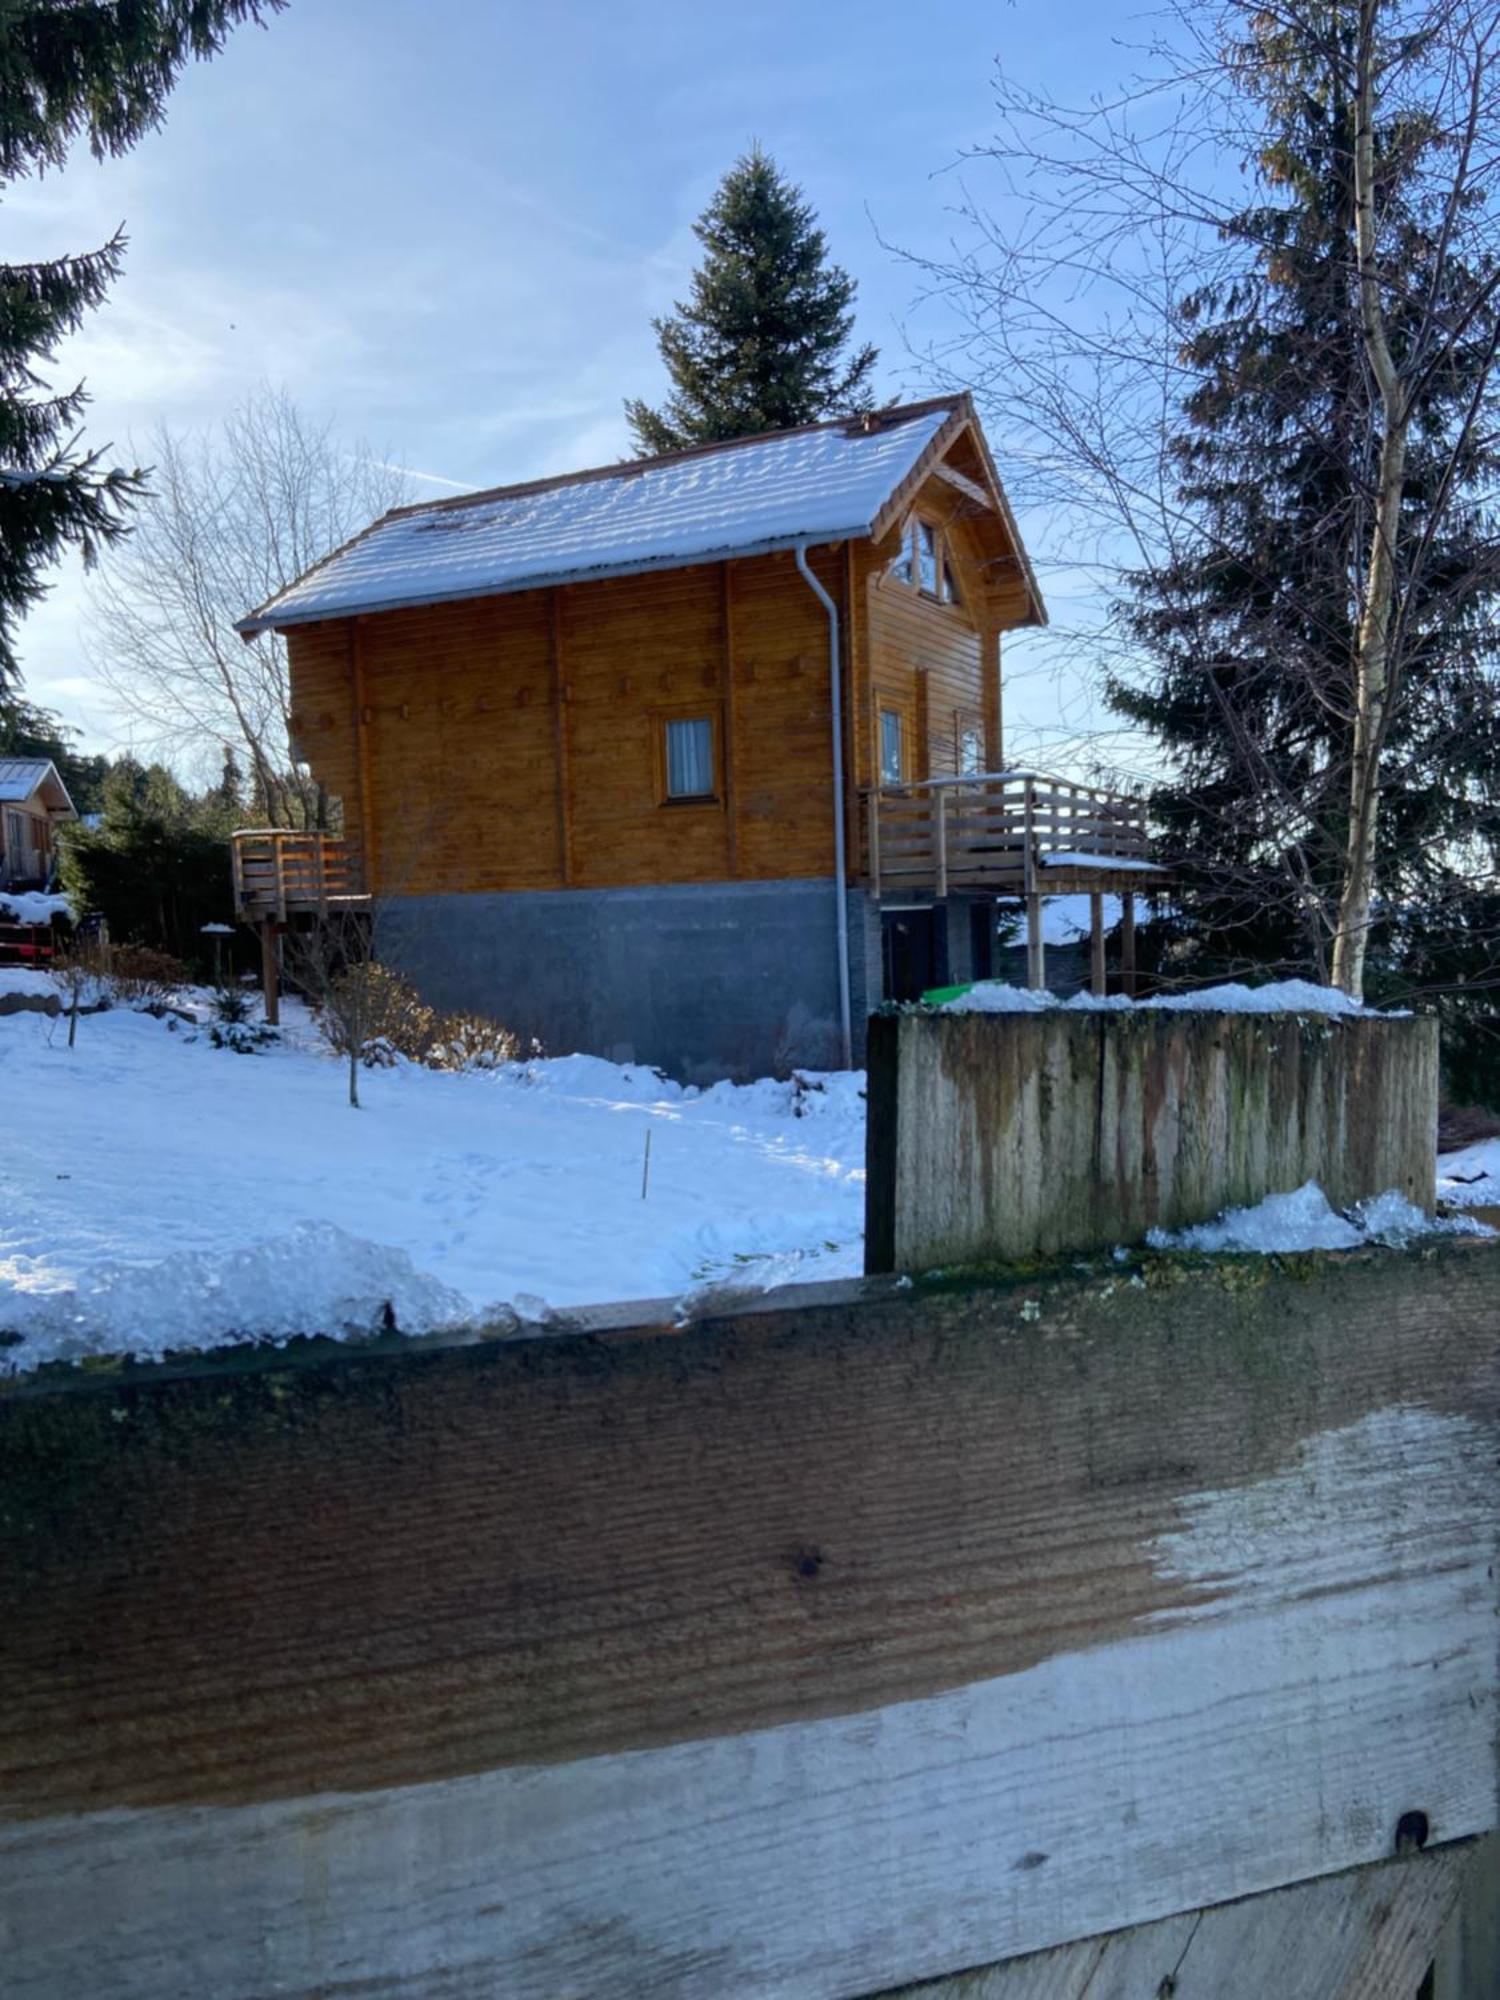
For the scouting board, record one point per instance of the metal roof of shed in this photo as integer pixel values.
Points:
(21, 778)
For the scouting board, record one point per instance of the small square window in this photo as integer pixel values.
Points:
(892, 747)
(690, 757)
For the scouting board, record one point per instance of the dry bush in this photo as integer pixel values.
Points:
(387, 1018)
(81, 974)
(144, 978)
(471, 1041)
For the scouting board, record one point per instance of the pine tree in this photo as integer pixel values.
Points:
(1251, 631)
(71, 68)
(762, 342)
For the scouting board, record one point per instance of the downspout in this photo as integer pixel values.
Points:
(840, 862)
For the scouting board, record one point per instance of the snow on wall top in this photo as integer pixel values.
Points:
(827, 483)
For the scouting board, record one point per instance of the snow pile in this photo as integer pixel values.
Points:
(1305, 1220)
(1470, 1178)
(314, 1279)
(32, 906)
(1285, 996)
(26, 979)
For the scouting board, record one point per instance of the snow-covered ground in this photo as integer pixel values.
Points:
(140, 1170)
(157, 1193)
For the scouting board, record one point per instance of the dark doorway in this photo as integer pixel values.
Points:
(911, 946)
(982, 940)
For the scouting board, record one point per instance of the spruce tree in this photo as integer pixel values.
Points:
(71, 68)
(1249, 633)
(762, 343)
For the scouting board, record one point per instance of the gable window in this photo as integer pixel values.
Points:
(927, 559)
(689, 763)
(925, 562)
(892, 746)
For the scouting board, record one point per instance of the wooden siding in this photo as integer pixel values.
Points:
(512, 742)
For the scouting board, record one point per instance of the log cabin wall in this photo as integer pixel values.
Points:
(513, 742)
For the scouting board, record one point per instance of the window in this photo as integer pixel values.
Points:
(969, 736)
(924, 562)
(688, 764)
(892, 746)
(927, 559)
(904, 568)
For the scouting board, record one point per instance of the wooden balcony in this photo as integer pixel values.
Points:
(1006, 833)
(279, 876)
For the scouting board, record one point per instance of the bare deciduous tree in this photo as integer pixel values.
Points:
(233, 516)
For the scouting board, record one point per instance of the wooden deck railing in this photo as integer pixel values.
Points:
(996, 832)
(278, 874)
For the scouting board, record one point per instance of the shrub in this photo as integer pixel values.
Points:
(392, 1020)
(232, 1005)
(144, 978)
(471, 1041)
(242, 1038)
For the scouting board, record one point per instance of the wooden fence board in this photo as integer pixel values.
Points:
(806, 1650)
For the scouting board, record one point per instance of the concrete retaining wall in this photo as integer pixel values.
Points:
(703, 980)
(1002, 1136)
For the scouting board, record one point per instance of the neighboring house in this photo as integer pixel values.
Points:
(33, 803)
(583, 732)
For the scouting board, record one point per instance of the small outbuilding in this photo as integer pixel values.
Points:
(34, 802)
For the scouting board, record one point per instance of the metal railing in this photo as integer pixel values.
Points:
(995, 830)
(278, 873)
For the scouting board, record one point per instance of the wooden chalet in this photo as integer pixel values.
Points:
(688, 760)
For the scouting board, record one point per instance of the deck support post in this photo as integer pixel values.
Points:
(1096, 945)
(1036, 951)
(269, 985)
(1127, 945)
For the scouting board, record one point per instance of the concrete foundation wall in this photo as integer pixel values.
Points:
(702, 980)
(1001, 1136)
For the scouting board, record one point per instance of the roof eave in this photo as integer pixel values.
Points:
(268, 619)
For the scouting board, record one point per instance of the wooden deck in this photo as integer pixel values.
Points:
(1006, 833)
(279, 875)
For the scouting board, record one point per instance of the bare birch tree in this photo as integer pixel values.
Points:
(1093, 241)
(233, 516)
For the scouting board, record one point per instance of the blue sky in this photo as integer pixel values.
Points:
(447, 227)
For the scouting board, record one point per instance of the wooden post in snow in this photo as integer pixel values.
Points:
(269, 969)
(1096, 944)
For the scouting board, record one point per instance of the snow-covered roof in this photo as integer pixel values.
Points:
(826, 483)
(21, 778)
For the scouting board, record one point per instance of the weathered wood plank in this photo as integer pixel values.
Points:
(804, 1651)
(1010, 1136)
(1367, 1935)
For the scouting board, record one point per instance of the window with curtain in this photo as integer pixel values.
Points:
(690, 757)
(892, 747)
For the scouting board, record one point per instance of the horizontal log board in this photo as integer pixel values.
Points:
(810, 1649)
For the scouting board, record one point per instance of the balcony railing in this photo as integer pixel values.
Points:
(1002, 833)
(278, 875)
